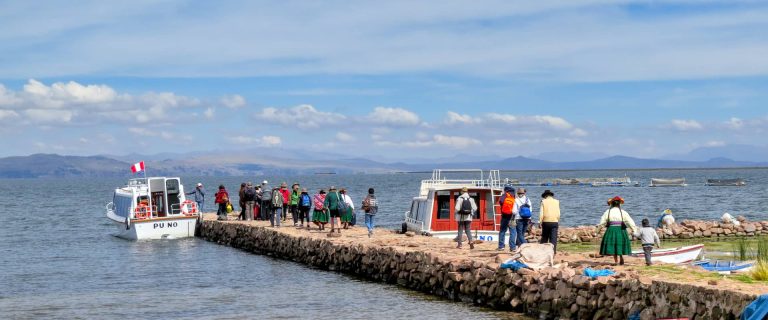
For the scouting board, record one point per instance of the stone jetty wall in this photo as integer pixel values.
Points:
(552, 293)
(685, 229)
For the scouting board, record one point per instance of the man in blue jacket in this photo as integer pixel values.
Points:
(199, 196)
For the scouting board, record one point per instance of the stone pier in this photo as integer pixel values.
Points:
(436, 267)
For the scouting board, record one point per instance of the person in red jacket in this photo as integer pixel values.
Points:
(222, 199)
(286, 197)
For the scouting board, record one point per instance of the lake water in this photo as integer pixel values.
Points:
(59, 260)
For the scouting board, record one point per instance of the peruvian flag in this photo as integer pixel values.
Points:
(136, 167)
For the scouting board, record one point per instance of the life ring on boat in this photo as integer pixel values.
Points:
(142, 211)
(189, 207)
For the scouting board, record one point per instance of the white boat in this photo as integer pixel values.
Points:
(675, 182)
(677, 255)
(432, 211)
(153, 208)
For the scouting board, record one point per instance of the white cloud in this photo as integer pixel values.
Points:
(396, 117)
(302, 116)
(344, 137)
(686, 125)
(715, 143)
(209, 112)
(456, 118)
(234, 101)
(734, 123)
(165, 135)
(49, 116)
(8, 115)
(456, 141)
(264, 141)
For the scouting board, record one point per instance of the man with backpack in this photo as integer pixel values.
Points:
(305, 203)
(266, 202)
(522, 211)
(249, 197)
(464, 210)
(370, 206)
(507, 205)
(277, 207)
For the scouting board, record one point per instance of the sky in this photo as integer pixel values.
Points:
(383, 79)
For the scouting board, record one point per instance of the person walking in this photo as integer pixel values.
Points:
(199, 194)
(507, 204)
(549, 218)
(648, 238)
(293, 204)
(265, 198)
(305, 203)
(277, 207)
(370, 207)
(222, 199)
(331, 204)
(286, 198)
(464, 210)
(249, 198)
(241, 201)
(522, 211)
(320, 214)
(348, 208)
(615, 240)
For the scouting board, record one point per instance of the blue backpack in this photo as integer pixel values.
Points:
(305, 200)
(525, 211)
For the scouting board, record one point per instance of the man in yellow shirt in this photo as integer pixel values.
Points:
(549, 218)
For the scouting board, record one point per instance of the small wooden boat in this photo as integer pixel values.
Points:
(725, 266)
(675, 182)
(726, 182)
(677, 255)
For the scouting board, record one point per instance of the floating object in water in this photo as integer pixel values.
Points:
(726, 182)
(675, 182)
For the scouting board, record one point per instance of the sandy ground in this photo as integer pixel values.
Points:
(487, 253)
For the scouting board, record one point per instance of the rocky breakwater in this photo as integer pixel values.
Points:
(433, 266)
(685, 229)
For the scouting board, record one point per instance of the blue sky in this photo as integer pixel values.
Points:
(392, 80)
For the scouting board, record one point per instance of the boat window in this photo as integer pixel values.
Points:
(414, 208)
(172, 187)
(122, 205)
(158, 202)
(416, 216)
(443, 205)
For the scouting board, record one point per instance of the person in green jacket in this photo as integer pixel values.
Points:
(332, 205)
(293, 203)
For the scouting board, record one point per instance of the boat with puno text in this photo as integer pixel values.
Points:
(432, 211)
(153, 208)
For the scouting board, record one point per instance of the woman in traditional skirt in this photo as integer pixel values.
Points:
(320, 214)
(615, 240)
(346, 216)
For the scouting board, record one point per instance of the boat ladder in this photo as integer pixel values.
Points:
(494, 181)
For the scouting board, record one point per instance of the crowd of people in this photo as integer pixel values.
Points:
(516, 208)
(260, 202)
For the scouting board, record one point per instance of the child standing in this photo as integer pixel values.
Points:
(648, 238)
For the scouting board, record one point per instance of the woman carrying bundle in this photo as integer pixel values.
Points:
(615, 240)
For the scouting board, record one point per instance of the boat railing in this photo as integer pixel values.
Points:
(187, 207)
(438, 179)
(144, 212)
(110, 206)
(414, 221)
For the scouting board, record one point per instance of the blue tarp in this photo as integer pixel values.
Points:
(757, 310)
(514, 265)
(594, 273)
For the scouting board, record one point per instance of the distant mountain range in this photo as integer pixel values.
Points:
(282, 161)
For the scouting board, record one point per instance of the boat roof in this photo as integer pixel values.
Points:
(441, 181)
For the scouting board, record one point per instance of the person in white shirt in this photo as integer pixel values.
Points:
(523, 211)
(464, 210)
(346, 217)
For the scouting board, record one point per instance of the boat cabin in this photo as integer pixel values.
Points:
(432, 212)
(147, 198)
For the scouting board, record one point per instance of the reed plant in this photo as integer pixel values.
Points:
(759, 271)
(762, 249)
(741, 249)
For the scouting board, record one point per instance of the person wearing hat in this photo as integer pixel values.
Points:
(615, 240)
(523, 211)
(464, 210)
(199, 196)
(320, 214)
(293, 204)
(347, 216)
(549, 218)
(286, 198)
(222, 199)
(249, 198)
(331, 204)
(304, 203)
(507, 204)
(371, 207)
(666, 220)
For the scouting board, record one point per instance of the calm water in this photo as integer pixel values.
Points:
(58, 259)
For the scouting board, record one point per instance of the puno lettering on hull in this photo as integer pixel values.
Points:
(485, 238)
(163, 225)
